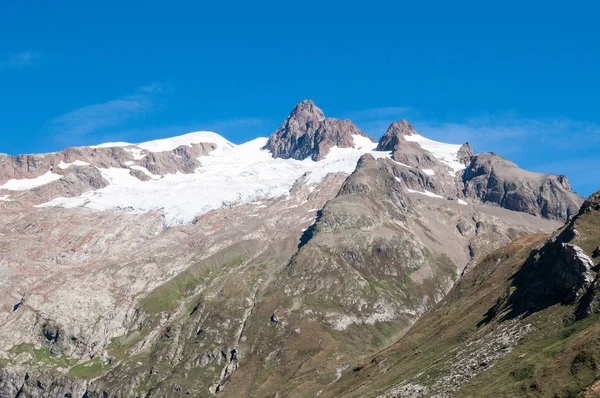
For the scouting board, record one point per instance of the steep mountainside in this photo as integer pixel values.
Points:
(192, 266)
(493, 179)
(523, 322)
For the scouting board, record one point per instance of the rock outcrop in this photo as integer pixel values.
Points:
(493, 179)
(306, 132)
(465, 154)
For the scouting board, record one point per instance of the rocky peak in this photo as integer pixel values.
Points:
(591, 203)
(404, 151)
(307, 132)
(465, 154)
(392, 136)
(306, 111)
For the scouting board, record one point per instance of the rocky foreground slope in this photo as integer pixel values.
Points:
(523, 322)
(191, 266)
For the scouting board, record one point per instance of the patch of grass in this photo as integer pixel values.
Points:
(169, 295)
(588, 226)
(41, 356)
(89, 370)
(523, 372)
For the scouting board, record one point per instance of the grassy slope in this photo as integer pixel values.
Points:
(560, 357)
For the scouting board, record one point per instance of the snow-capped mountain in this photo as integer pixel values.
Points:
(190, 265)
(224, 174)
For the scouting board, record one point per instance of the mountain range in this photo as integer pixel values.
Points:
(317, 261)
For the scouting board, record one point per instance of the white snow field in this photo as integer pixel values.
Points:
(426, 193)
(445, 153)
(63, 165)
(230, 175)
(23, 184)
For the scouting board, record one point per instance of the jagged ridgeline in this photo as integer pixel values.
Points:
(191, 266)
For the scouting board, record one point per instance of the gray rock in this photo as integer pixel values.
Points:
(465, 154)
(306, 132)
(409, 153)
(393, 136)
(492, 179)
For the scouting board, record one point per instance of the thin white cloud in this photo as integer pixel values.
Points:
(20, 60)
(91, 120)
(375, 121)
(388, 112)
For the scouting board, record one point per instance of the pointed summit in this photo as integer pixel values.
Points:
(307, 110)
(391, 138)
(465, 154)
(306, 132)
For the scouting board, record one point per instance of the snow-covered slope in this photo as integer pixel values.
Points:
(231, 174)
(30, 183)
(445, 153)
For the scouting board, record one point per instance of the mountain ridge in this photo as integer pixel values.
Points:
(199, 267)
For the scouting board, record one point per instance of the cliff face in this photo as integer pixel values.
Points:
(493, 179)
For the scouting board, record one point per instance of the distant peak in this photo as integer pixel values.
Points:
(307, 109)
(395, 134)
(307, 132)
(401, 127)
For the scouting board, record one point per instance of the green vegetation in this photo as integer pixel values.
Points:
(553, 361)
(168, 296)
(89, 370)
(41, 356)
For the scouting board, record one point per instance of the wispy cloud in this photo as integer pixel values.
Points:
(92, 120)
(375, 121)
(20, 60)
(389, 112)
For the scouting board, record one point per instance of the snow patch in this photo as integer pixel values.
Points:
(462, 202)
(111, 145)
(446, 153)
(5, 198)
(168, 144)
(429, 172)
(63, 165)
(363, 143)
(29, 183)
(426, 193)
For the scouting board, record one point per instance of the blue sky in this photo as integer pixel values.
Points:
(517, 78)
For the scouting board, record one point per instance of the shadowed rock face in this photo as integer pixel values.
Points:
(306, 132)
(493, 179)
